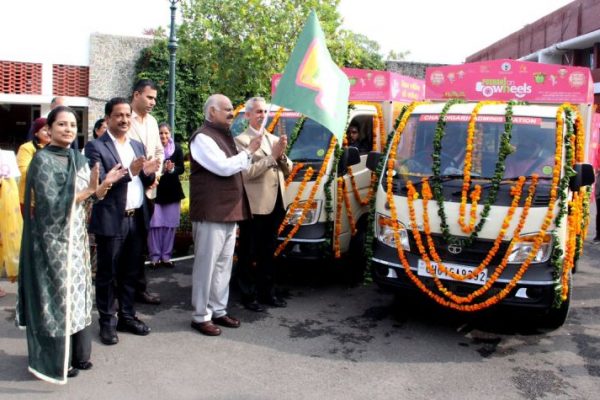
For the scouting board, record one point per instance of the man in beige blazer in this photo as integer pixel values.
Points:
(264, 185)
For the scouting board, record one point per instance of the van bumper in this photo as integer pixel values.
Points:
(308, 243)
(535, 290)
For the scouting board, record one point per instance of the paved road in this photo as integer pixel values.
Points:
(332, 342)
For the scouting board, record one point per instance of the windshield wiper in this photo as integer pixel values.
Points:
(307, 159)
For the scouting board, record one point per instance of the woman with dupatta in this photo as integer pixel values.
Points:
(54, 301)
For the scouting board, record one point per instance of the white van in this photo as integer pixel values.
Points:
(483, 202)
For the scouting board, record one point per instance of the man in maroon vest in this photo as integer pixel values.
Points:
(217, 202)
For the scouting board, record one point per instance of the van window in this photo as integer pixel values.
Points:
(312, 142)
(532, 142)
(364, 125)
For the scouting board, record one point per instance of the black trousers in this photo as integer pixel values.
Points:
(81, 345)
(257, 243)
(118, 269)
(142, 281)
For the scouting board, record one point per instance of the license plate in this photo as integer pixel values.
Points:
(455, 268)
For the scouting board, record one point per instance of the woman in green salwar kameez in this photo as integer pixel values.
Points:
(54, 298)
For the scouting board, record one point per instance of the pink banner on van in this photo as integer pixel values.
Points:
(510, 80)
(495, 119)
(371, 85)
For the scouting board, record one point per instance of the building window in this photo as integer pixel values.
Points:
(20, 78)
(70, 80)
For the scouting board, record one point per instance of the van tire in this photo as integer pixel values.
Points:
(554, 318)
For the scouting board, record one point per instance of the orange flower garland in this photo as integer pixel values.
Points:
(309, 173)
(467, 166)
(346, 199)
(275, 120)
(237, 110)
(369, 196)
(309, 202)
(537, 240)
(297, 167)
(491, 254)
(338, 218)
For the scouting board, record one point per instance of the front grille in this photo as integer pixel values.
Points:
(474, 254)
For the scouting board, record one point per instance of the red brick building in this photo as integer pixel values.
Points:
(568, 36)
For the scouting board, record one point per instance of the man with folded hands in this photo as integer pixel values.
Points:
(217, 202)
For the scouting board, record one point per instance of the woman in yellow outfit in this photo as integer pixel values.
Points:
(12, 223)
(41, 138)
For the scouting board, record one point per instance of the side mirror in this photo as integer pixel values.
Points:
(349, 157)
(373, 160)
(584, 176)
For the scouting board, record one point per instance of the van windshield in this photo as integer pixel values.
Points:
(532, 142)
(313, 140)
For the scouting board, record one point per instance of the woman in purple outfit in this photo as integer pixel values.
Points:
(167, 205)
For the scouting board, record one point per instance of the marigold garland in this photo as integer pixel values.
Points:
(346, 199)
(237, 110)
(309, 201)
(491, 254)
(338, 218)
(297, 167)
(275, 120)
(537, 240)
(307, 175)
(468, 228)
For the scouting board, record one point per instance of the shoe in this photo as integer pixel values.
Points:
(227, 321)
(168, 264)
(133, 325)
(72, 372)
(84, 365)
(253, 306)
(206, 328)
(154, 264)
(275, 301)
(108, 335)
(147, 298)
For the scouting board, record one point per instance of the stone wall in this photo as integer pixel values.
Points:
(112, 70)
(409, 68)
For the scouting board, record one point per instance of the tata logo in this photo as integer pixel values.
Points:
(455, 248)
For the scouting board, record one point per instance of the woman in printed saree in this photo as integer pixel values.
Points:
(54, 300)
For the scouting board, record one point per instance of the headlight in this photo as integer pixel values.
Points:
(523, 246)
(385, 232)
(312, 214)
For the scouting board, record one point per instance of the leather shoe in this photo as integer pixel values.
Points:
(72, 372)
(253, 306)
(274, 301)
(108, 335)
(147, 298)
(206, 328)
(85, 365)
(227, 321)
(133, 325)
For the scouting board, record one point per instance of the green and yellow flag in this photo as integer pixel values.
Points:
(312, 84)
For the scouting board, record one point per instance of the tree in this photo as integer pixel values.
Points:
(234, 47)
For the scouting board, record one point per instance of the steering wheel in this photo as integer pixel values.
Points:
(420, 162)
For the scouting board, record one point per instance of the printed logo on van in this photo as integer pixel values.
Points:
(490, 87)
